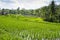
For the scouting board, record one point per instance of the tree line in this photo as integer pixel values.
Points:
(49, 13)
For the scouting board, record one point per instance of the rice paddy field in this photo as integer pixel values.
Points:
(28, 28)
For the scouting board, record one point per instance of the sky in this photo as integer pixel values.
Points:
(27, 4)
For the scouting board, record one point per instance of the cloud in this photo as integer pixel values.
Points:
(7, 1)
(9, 4)
(27, 4)
(33, 4)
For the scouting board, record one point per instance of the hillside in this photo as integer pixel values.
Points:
(27, 28)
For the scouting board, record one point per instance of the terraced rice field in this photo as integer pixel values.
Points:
(28, 28)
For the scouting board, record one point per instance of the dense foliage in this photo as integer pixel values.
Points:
(49, 13)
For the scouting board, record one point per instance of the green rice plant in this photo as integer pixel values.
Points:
(28, 28)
